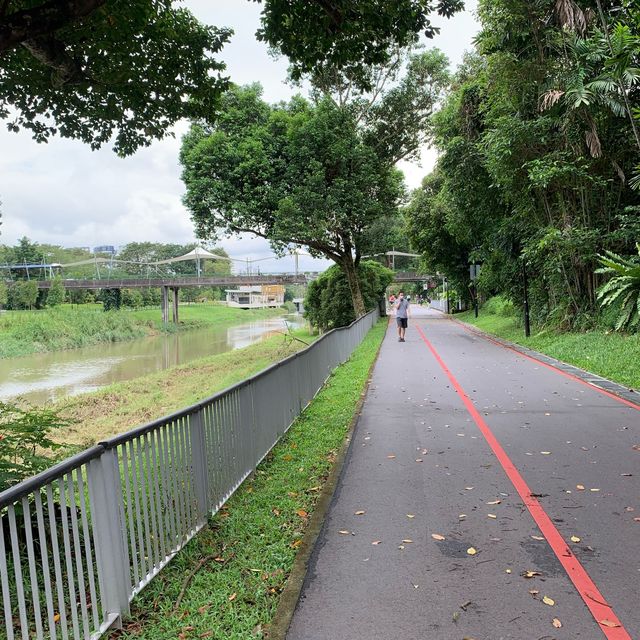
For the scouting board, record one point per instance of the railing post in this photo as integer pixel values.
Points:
(200, 469)
(105, 496)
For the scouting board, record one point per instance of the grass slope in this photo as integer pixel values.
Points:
(124, 405)
(612, 355)
(251, 544)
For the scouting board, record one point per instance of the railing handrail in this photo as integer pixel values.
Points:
(25, 487)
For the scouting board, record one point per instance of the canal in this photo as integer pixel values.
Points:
(43, 377)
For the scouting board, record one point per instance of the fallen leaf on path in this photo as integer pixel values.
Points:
(636, 519)
(296, 543)
(376, 542)
(534, 592)
(468, 488)
(407, 541)
(410, 515)
(580, 487)
(548, 600)
(507, 570)
(627, 475)
(437, 536)
(546, 453)
(462, 516)
(575, 539)
(608, 623)
(556, 623)
(495, 502)
(344, 532)
(537, 537)
(391, 457)
(360, 513)
(302, 513)
(636, 447)
(594, 490)
(472, 551)
(530, 574)
(232, 597)
(492, 515)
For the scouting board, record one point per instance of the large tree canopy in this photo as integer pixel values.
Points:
(294, 173)
(95, 69)
(126, 70)
(348, 34)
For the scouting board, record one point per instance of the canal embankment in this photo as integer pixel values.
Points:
(74, 326)
(119, 407)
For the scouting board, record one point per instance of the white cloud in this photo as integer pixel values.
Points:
(64, 193)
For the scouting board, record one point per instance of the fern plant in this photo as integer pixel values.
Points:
(623, 289)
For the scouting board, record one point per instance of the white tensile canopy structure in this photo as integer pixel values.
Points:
(197, 254)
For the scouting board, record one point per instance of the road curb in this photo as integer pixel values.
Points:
(628, 394)
(290, 595)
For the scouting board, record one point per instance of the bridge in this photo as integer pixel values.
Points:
(174, 284)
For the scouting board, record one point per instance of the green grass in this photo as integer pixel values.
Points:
(68, 327)
(612, 355)
(255, 537)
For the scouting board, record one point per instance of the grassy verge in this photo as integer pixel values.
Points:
(124, 405)
(251, 544)
(612, 355)
(67, 327)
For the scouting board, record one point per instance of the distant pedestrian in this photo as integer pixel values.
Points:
(402, 315)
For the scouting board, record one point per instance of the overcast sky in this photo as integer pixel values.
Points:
(63, 193)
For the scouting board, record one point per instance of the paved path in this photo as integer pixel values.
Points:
(423, 463)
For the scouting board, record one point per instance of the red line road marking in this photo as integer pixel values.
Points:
(550, 366)
(583, 583)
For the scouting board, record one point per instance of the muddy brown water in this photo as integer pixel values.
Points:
(44, 377)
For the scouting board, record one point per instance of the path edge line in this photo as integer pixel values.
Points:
(586, 588)
(613, 390)
(281, 621)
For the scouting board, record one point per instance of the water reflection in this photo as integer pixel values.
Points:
(50, 376)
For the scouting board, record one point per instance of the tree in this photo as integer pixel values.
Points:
(350, 35)
(327, 304)
(101, 69)
(23, 294)
(4, 294)
(295, 173)
(97, 69)
(56, 293)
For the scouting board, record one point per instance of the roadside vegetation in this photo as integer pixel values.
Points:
(72, 326)
(239, 564)
(600, 350)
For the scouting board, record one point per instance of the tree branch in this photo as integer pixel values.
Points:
(42, 20)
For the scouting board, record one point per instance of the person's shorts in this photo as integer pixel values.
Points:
(402, 322)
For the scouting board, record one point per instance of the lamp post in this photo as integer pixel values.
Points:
(527, 326)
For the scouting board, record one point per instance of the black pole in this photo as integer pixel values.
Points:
(475, 299)
(527, 326)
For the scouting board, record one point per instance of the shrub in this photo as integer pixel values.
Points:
(622, 291)
(328, 300)
(26, 446)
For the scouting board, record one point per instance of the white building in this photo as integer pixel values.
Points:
(256, 297)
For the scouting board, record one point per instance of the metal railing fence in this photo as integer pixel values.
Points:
(80, 540)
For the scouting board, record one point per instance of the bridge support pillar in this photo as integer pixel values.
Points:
(164, 304)
(175, 304)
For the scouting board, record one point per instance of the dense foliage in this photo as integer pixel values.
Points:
(538, 146)
(328, 301)
(622, 292)
(26, 444)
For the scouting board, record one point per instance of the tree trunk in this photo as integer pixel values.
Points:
(349, 269)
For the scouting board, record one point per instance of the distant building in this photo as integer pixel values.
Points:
(256, 297)
(105, 248)
(299, 304)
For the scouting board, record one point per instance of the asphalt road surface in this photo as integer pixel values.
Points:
(485, 496)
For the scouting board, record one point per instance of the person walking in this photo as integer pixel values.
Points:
(402, 315)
